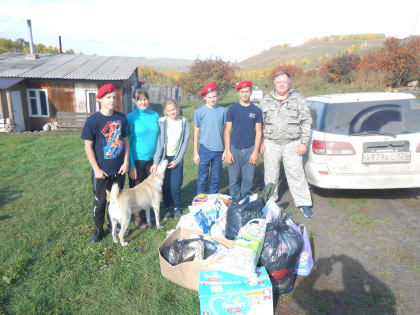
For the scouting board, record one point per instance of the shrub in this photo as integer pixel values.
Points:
(341, 68)
(206, 71)
(291, 69)
(397, 62)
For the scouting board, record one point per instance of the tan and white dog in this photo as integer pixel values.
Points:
(145, 195)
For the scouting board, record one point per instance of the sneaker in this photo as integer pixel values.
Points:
(177, 213)
(97, 235)
(307, 211)
(167, 215)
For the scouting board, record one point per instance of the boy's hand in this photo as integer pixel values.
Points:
(123, 169)
(153, 168)
(196, 158)
(132, 173)
(229, 158)
(262, 148)
(101, 174)
(172, 165)
(253, 158)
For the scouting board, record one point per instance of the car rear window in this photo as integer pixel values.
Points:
(388, 117)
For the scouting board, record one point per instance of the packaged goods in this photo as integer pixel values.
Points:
(244, 254)
(224, 293)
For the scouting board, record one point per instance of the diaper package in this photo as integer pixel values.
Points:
(245, 252)
(226, 293)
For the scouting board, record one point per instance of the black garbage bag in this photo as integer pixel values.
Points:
(240, 214)
(282, 285)
(281, 249)
(181, 251)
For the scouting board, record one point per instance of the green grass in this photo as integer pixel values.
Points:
(47, 264)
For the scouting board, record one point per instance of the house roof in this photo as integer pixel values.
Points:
(68, 67)
(5, 83)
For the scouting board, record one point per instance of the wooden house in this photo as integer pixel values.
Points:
(34, 89)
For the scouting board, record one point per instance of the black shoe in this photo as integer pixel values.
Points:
(97, 235)
(177, 213)
(168, 214)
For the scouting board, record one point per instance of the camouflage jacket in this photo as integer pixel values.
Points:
(287, 120)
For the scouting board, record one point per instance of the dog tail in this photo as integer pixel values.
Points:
(115, 192)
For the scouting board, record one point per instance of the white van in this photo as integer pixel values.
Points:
(364, 141)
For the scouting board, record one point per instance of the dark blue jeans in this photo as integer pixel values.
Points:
(209, 160)
(172, 185)
(237, 189)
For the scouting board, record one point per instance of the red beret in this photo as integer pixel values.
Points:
(208, 88)
(243, 84)
(105, 89)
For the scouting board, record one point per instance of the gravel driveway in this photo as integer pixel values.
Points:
(366, 246)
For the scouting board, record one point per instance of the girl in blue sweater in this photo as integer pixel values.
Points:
(144, 131)
(172, 144)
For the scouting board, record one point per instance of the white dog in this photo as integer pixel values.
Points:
(145, 195)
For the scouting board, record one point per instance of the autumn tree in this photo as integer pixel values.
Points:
(413, 46)
(341, 68)
(290, 69)
(397, 62)
(206, 71)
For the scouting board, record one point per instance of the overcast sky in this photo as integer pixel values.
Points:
(231, 29)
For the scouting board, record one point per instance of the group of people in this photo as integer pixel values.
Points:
(116, 144)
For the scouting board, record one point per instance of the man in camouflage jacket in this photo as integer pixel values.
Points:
(286, 131)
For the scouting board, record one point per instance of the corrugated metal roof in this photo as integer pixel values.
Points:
(6, 83)
(76, 67)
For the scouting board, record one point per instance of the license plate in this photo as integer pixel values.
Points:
(386, 157)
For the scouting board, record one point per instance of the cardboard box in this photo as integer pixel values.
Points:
(186, 274)
(226, 293)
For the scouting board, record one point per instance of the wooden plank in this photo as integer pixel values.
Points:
(71, 119)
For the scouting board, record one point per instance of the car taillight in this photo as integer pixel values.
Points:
(418, 148)
(332, 148)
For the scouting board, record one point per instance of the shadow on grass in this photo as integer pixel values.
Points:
(363, 293)
(8, 194)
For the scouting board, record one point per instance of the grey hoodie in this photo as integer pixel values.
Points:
(160, 152)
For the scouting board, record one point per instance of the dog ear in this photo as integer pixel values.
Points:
(108, 195)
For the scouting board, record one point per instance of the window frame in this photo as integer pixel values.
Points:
(38, 103)
(87, 92)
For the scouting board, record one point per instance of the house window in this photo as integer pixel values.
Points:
(38, 103)
(91, 104)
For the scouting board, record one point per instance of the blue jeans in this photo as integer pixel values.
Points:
(172, 185)
(209, 160)
(237, 189)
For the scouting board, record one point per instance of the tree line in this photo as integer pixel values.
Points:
(21, 46)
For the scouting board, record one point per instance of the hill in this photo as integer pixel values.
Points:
(309, 55)
(164, 64)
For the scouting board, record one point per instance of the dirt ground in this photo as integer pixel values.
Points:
(366, 250)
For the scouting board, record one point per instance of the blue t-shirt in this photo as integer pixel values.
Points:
(243, 120)
(144, 132)
(107, 133)
(211, 122)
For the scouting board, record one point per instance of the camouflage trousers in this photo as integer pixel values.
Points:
(293, 168)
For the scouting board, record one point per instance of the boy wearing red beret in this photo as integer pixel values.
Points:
(209, 120)
(107, 149)
(243, 134)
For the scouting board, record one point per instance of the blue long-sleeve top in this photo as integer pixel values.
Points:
(144, 132)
